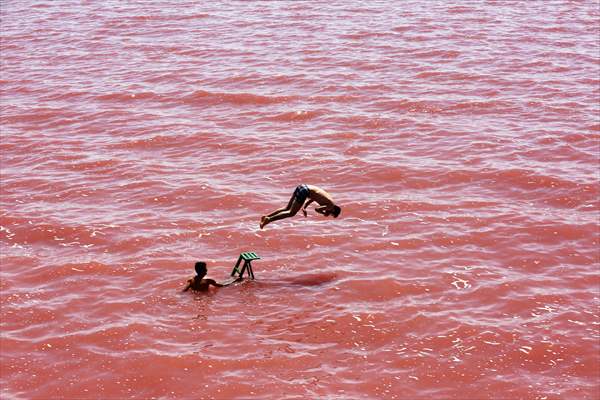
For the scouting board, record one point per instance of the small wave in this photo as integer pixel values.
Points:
(526, 179)
(461, 10)
(295, 116)
(401, 29)
(365, 35)
(242, 78)
(343, 98)
(318, 60)
(216, 98)
(367, 122)
(160, 17)
(529, 180)
(51, 116)
(125, 97)
(107, 165)
(67, 96)
(470, 107)
(409, 106)
(448, 76)
(20, 230)
(158, 142)
(434, 53)
(380, 290)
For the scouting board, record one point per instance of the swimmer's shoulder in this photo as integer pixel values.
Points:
(319, 195)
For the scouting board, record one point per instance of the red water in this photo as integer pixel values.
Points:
(462, 143)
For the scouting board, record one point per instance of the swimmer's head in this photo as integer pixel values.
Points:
(200, 268)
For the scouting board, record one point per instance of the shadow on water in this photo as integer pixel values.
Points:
(306, 280)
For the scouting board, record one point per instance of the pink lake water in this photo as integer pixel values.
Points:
(461, 141)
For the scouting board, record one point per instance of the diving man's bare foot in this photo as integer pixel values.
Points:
(263, 221)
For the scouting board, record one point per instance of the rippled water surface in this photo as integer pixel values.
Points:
(462, 142)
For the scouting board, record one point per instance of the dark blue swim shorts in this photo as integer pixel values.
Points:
(301, 193)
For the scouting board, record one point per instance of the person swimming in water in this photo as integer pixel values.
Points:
(308, 193)
(202, 285)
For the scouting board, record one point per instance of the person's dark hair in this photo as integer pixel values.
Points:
(200, 268)
(336, 211)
